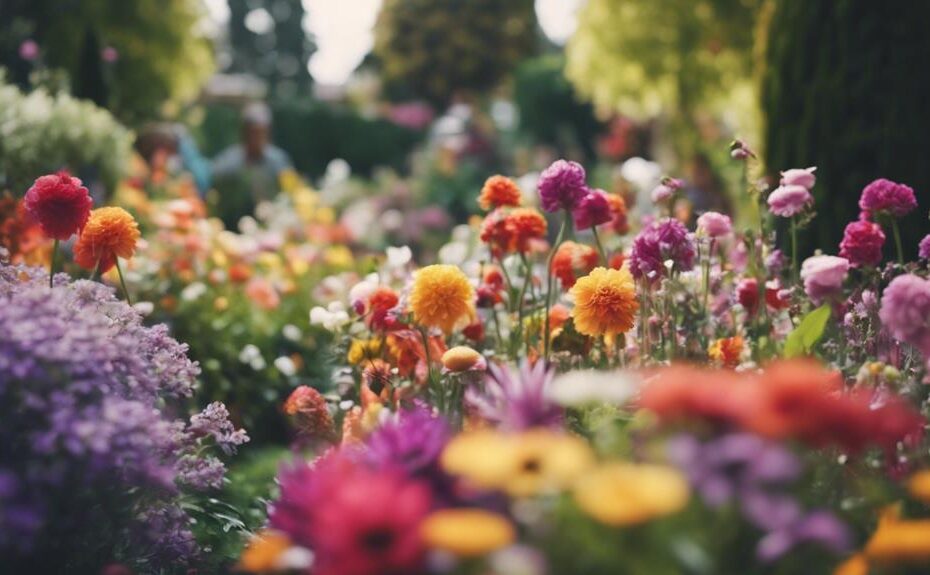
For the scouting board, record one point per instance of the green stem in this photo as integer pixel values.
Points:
(51, 271)
(122, 282)
(707, 262)
(555, 247)
(429, 364)
(794, 249)
(600, 247)
(897, 240)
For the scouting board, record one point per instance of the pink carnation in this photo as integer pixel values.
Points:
(789, 200)
(823, 276)
(905, 311)
(862, 243)
(60, 203)
(799, 177)
(714, 224)
(666, 189)
(562, 186)
(886, 196)
(592, 210)
(923, 250)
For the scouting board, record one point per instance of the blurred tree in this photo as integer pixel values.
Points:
(438, 49)
(135, 56)
(841, 92)
(268, 39)
(646, 57)
(550, 111)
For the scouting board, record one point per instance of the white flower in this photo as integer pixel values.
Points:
(331, 318)
(291, 332)
(453, 253)
(249, 353)
(581, 387)
(361, 291)
(144, 307)
(398, 257)
(285, 365)
(193, 291)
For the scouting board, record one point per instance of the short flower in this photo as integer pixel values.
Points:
(666, 189)
(467, 532)
(562, 186)
(311, 413)
(714, 225)
(462, 358)
(885, 196)
(823, 276)
(572, 260)
(618, 211)
(905, 311)
(620, 494)
(525, 225)
(110, 233)
(803, 177)
(442, 297)
(727, 351)
(497, 233)
(499, 191)
(60, 204)
(605, 302)
(789, 200)
(862, 243)
(593, 210)
(661, 241)
(923, 250)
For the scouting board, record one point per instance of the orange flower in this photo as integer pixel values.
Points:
(499, 191)
(605, 302)
(263, 294)
(442, 297)
(726, 351)
(497, 233)
(619, 223)
(526, 225)
(264, 552)
(572, 260)
(110, 233)
(312, 415)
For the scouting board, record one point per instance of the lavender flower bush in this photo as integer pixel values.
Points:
(96, 463)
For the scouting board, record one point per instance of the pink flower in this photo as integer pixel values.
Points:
(905, 311)
(714, 224)
(60, 203)
(666, 189)
(923, 250)
(862, 243)
(592, 210)
(562, 186)
(823, 276)
(799, 177)
(29, 50)
(789, 200)
(888, 197)
(109, 55)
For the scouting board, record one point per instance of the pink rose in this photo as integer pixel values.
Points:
(666, 189)
(799, 177)
(823, 276)
(714, 224)
(789, 200)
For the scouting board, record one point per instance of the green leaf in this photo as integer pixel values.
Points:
(804, 337)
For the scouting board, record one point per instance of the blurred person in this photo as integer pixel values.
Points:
(248, 172)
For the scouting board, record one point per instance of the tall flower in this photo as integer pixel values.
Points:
(525, 225)
(618, 211)
(885, 196)
(110, 233)
(572, 260)
(789, 200)
(499, 191)
(60, 204)
(562, 186)
(605, 302)
(714, 224)
(905, 311)
(862, 243)
(663, 240)
(823, 276)
(442, 297)
(516, 400)
(803, 177)
(593, 210)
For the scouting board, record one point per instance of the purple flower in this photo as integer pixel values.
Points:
(885, 196)
(819, 527)
(562, 186)
(823, 276)
(29, 50)
(412, 442)
(592, 210)
(790, 200)
(923, 250)
(663, 240)
(516, 400)
(905, 311)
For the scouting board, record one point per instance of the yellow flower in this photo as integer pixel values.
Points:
(363, 349)
(530, 463)
(466, 532)
(919, 486)
(627, 494)
(899, 541)
(442, 297)
(460, 358)
(855, 565)
(264, 551)
(338, 256)
(726, 351)
(605, 302)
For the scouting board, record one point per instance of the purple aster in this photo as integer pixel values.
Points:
(664, 240)
(885, 196)
(562, 186)
(923, 249)
(516, 400)
(413, 442)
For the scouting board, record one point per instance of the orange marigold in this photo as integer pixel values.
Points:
(572, 260)
(499, 191)
(605, 302)
(442, 297)
(312, 415)
(726, 351)
(525, 225)
(110, 233)
(618, 223)
(497, 233)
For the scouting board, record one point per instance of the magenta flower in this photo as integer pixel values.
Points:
(905, 311)
(862, 243)
(714, 224)
(789, 200)
(666, 189)
(799, 177)
(562, 186)
(740, 151)
(823, 276)
(29, 50)
(109, 55)
(663, 240)
(516, 400)
(885, 196)
(923, 250)
(592, 210)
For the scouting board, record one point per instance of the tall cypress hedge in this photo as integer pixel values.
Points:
(846, 88)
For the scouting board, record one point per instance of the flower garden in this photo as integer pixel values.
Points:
(357, 378)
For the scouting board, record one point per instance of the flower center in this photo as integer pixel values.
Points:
(378, 539)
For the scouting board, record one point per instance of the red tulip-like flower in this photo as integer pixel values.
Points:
(60, 204)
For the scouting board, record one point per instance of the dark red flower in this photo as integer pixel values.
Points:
(862, 243)
(60, 204)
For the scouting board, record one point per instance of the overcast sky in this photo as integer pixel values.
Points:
(343, 30)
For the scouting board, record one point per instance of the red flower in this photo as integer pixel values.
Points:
(747, 294)
(60, 203)
(862, 243)
(499, 191)
(496, 232)
(381, 303)
(573, 260)
(689, 393)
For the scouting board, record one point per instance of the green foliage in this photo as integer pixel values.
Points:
(550, 111)
(42, 133)
(163, 57)
(802, 339)
(437, 49)
(840, 92)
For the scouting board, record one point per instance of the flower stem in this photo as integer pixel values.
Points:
(897, 240)
(794, 248)
(707, 262)
(429, 364)
(555, 247)
(51, 271)
(122, 282)
(600, 247)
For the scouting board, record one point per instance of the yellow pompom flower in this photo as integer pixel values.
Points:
(466, 532)
(605, 302)
(442, 297)
(363, 349)
(620, 494)
(109, 233)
